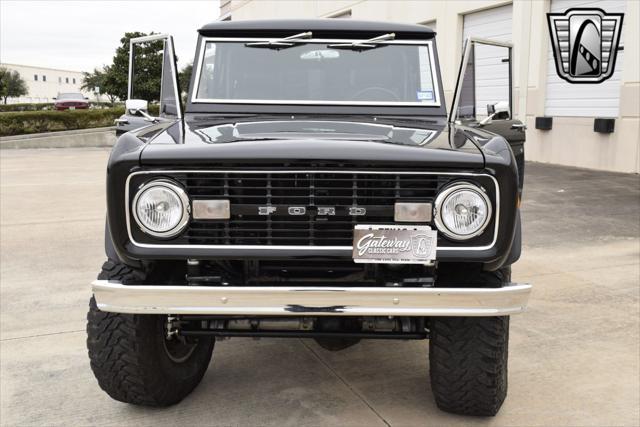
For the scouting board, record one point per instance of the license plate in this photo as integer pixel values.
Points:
(72, 108)
(394, 244)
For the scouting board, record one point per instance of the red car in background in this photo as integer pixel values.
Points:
(70, 101)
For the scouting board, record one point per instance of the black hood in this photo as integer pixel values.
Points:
(279, 142)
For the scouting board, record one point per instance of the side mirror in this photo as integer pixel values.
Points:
(86, 97)
(54, 98)
(498, 110)
(136, 104)
(501, 107)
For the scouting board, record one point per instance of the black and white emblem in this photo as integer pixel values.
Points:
(585, 43)
(297, 210)
(266, 210)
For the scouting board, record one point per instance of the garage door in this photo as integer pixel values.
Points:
(584, 100)
(490, 77)
(494, 24)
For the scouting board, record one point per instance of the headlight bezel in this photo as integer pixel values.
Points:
(182, 197)
(448, 192)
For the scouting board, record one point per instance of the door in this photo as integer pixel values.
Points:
(148, 53)
(484, 94)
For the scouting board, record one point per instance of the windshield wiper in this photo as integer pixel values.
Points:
(282, 43)
(364, 44)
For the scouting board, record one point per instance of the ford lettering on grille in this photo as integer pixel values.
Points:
(303, 210)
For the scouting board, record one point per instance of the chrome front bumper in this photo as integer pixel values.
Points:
(310, 301)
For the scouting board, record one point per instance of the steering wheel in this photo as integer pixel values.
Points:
(390, 95)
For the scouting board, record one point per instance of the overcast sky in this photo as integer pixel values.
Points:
(80, 35)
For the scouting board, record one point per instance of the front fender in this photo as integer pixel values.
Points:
(125, 156)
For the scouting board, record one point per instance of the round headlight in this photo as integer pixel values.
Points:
(161, 208)
(463, 211)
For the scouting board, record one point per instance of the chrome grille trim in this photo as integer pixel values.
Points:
(302, 248)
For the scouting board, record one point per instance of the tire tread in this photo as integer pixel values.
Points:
(468, 360)
(118, 346)
(468, 355)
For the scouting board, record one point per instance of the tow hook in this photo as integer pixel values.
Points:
(172, 326)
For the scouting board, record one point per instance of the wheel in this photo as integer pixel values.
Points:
(133, 360)
(468, 359)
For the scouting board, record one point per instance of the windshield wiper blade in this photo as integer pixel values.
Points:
(282, 43)
(364, 44)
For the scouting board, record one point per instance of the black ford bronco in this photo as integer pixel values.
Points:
(312, 185)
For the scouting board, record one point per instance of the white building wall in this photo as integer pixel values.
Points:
(572, 140)
(44, 84)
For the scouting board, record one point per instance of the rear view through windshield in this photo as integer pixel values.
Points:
(317, 73)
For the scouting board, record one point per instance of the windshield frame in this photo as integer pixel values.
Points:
(437, 102)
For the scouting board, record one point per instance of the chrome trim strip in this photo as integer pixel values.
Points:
(429, 43)
(491, 42)
(175, 78)
(312, 300)
(184, 199)
(133, 41)
(463, 66)
(150, 38)
(304, 248)
(442, 197)
(167, 41)
(466, 51)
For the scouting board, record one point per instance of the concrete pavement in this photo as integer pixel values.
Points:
(574, 356)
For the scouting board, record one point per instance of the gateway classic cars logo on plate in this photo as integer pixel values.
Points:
(394, 244)
(585, 43)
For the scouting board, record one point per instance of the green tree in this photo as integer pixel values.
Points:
(11, 84)
(97, 78)
(92, 79)
(184, 77)
(147, 69)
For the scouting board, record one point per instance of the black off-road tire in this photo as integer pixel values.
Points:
(468, 359)
(468, 363)
(129, 354)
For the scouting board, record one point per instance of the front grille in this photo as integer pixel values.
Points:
(346, 193)
(326, 205)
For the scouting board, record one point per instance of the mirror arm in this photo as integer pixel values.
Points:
(147, 116)
(486, 120)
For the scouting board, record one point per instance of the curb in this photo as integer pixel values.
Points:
(98, 137)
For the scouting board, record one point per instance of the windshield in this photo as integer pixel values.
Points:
(70, 96)
(317, 72)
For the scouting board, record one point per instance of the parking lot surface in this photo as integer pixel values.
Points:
(574, 355)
